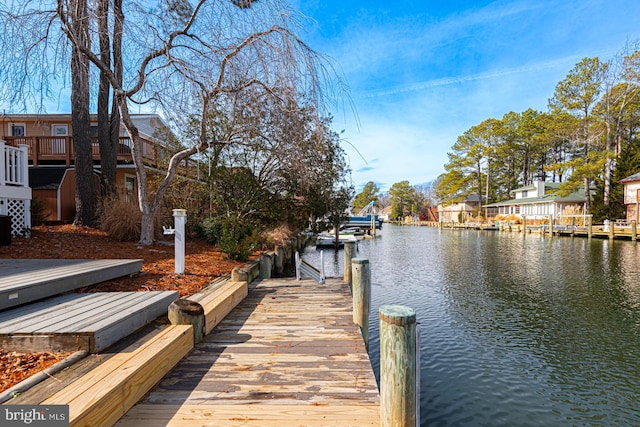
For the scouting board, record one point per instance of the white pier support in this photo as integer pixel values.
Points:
(180, 220)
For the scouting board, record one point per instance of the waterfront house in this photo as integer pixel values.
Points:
(51, 160)
(538, 200)
(459, 209)
(632, 196)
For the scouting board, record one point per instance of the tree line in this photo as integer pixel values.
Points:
(588, 138)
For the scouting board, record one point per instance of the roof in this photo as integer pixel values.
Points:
(46, 178)
(634, 177)
(576, 197)
(472, 198)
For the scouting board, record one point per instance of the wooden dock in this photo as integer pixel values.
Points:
(288, 354)
(26, 280)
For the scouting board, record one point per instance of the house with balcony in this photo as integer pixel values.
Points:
(632, 197)
(538, 200)
(49, 144)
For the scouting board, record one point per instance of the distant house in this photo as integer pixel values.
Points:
(51, 158)
(537, 200)
(632, 196)
(456, 210)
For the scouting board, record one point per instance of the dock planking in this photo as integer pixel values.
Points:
(26, 280)
(289, 353)
(90, 321)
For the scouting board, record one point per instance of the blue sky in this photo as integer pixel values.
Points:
(423, 72)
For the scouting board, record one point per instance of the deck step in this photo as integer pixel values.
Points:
(26, 280)
(91, 321)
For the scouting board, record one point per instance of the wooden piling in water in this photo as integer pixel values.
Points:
(590, 227)
(349, 249)
(398, 366)
(361, 290)
(634, 231)
(612, 232)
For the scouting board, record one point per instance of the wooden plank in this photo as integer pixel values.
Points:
(287, 344)
(23, 281)
(218, 305)
(107, 392)
(90, 321)
(265, 415)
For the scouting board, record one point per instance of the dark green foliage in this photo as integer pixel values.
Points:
(235, 237)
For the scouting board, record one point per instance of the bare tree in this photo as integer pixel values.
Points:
(216, 50)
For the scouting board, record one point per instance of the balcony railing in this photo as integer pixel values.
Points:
(59, 150)
(14, 166)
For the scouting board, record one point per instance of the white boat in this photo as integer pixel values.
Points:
(329, 240)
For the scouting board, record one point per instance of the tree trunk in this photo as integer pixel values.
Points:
(85, 189)
(108, 151)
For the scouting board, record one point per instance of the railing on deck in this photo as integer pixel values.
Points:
(14, 165)
(59, 149)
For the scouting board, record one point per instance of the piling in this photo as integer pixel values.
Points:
(349, 250)
(634, 231)
(266, 265)
(398, 367)
(551, 225)
(612, 232)
(590, 227)
(187, 312)
(361, 275)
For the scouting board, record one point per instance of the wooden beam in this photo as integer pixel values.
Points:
(107, 392)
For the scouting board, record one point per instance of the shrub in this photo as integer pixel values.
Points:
(236, 237)
(39, 213)
(120, 217)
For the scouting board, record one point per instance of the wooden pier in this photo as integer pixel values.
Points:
(288, 354)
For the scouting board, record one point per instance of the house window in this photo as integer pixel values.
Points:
(59, 130)
(524, 194)
(129, 182)
(17, 129)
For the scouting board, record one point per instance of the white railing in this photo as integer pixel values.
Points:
(14, 165)
(306, 269)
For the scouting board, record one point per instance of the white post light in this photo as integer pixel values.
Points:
(180, 219)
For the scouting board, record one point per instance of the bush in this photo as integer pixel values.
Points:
(39, 213)
(236, 237)
(120, 217)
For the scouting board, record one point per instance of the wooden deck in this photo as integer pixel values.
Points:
(70, 322)
(289, 354)
(27, 280)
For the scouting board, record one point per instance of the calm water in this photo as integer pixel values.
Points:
(515, 330)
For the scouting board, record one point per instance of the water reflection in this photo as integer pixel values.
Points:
(515, 329)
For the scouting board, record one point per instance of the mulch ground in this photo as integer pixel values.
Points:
(203, 263)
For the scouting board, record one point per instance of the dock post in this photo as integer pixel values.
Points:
(399, 395)
(612, 233)
(524, 224)
(279, 260)
(551, 225)
(590, 227)
(266, 265)
(361, 275)
(573, 226)
(187, 312)
(349, 249)
(634, 231)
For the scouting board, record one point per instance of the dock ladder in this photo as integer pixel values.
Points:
(304, 268)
